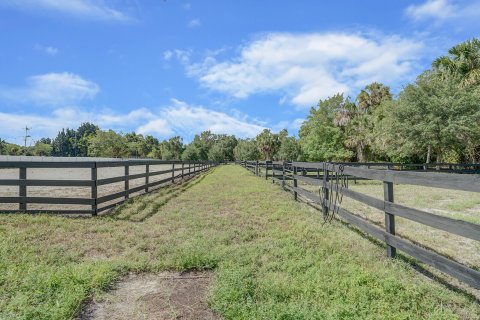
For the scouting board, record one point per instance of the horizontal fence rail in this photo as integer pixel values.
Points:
(97, 204)
(464, 177)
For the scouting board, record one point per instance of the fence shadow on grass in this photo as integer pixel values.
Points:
(409, 260)
(145, 206)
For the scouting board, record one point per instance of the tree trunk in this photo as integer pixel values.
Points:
(429, 153)
(439, 158)
(361, 153)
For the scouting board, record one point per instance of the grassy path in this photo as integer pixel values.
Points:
(272, 260)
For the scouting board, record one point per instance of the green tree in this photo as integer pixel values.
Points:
(357, 121)
(203, 142)
(246, 149)
(268, 144)
(191, 153)
(217, 153)
(462, 61)
(435, 117)
(107, 144)
(289, 149)
(320, 139)
(3, 144)
(62, 144)
(42, 149)
(172, 149)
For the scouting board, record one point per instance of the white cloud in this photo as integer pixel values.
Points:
(194, 23)
(440, 11)
(179, 118)
(167, 55)
(51, 51)
(52, 89)
(80, 8)
(306, 67)
(186, 119)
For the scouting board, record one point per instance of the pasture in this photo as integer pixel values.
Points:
(271, 257)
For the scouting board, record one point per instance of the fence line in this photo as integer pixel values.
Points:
(94, 201)
(322, 174)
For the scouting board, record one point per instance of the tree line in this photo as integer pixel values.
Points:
(434, 119)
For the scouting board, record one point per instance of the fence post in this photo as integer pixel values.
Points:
(23, 188)
(283, 174)
(127, 180)
(173, 172)
(147, 176)
(273, 173)
(294, 183)
(256, 168)
(183, 168)
(94, 189)
(389, 218)
(266, 170)
(326, 193)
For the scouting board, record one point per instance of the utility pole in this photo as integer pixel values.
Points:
(26, 137)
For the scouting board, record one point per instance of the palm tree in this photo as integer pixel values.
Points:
(373, 95)
(463, 61)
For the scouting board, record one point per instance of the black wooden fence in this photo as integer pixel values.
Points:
(178, 170)
(322, 174)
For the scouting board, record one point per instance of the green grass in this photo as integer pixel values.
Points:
(273, 258)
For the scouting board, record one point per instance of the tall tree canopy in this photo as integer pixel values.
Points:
(320, 139)
(462, 61)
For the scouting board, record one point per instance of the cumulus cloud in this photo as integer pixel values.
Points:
(178, 118)
(80, 8)
(52, 89)
(438, 9)
(303, 68)
(445, 10)
(187, 119)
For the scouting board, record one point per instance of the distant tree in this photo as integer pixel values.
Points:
(82, 134)
(217, 153)
(151, 146)
(86, 129)
(42, 149)
(203, 142)
(3, 144)
(246, 150)
(45, 140)
(359, 123)
(137, 145)
(320, 139)
(172, 149)
(289, 148)
(268, 144)
(107, 144)
(190, 153)
(62, 145)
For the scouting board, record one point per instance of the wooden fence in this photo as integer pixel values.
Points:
(177, 170)
(323, 174)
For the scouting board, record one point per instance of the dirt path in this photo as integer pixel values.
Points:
(167, 295)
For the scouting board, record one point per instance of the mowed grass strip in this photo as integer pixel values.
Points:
(272, 257)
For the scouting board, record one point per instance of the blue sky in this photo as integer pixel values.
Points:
(180, 67)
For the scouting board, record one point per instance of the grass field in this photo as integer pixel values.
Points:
(272, 257)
